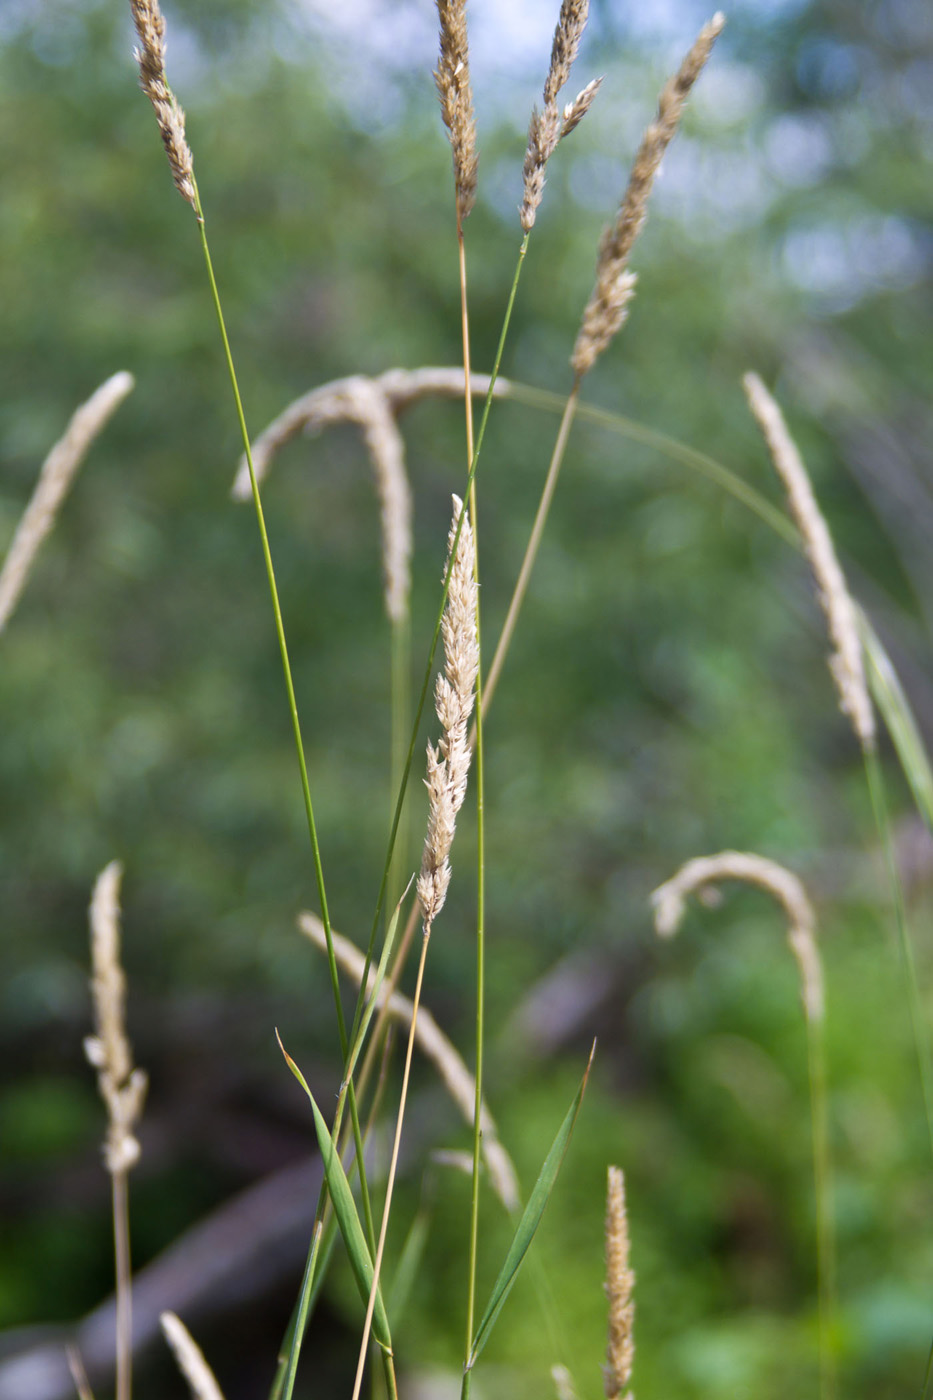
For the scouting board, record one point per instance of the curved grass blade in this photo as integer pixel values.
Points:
(345, 1210)
(531, 1219)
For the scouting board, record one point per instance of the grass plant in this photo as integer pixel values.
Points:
(355, 1204)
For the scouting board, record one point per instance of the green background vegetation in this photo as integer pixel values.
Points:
(666, 696)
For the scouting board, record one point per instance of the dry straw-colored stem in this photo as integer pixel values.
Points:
(58, 472)
(456, 95)
(549, 125)
(190, 1358)
(449, 763)
(608, 305)
(846, 660)
(150, 55)
(434, 1044)
(123, 1089)
(620, 1287)
(669, 902)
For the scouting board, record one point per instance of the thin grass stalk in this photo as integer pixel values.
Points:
(191, 1361)
(301, 1320)
(534, 540)
(123, 1271)
(400, 705)
(921, 1033)
(480, 828)
(78, 1374)
(823, 1203)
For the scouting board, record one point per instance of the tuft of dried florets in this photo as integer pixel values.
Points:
(669, 903)
(449, 764)
(150, 26)
(122, 1087)
(547, 127)
(607, 308)
(620, 1287)
(55, 478)
(456, 95)
(846, 662)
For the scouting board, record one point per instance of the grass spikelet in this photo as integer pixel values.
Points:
(456, 94)
(669, 902)
(190, 1358)
(435, 1046)
(150, 26)
(449, 763)
(55, 478)
(563, 1383)
(620, 1286)
(575, 111)
(121, 1086)
(608, 305)
(548, 126)
(846, 661)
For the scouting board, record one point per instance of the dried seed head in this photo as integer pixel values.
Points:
(846, 661)
(456, 94)
(58, 472)
(620, 1286)
(605, 312)
(449, 763)
(122, 1087)
(150, 26)
(190, 1358)
(546, 128)
(669, 902)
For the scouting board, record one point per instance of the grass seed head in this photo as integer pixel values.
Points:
(607, 308)
(620, 1286)
(456, 96)
(150, 55)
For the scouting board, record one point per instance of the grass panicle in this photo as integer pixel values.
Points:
(436, 1047)
(55, 478)
(846, 661)
(620, 1288)
(449, 763)
(456, 95)
(669, 903)
(549, 125)
(608, 305)
(123, 1089)
(150, 55)
(122, 1086)
(190, 1358)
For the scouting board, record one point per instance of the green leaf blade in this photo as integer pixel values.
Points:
(530, 1220)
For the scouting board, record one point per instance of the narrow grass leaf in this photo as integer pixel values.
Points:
(531, 1219)
(888, 695)
(345, 1210)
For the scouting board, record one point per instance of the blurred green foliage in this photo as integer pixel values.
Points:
(666, 695)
